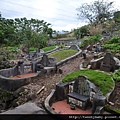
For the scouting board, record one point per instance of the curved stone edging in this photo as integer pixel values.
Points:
(51, 50)
(9, 71)
(48, 102)
(12, 84)
(110, 93)
(69, 58)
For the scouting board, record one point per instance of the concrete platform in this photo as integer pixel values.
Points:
(62, 107)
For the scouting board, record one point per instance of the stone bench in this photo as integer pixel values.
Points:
(49, 69)
(79, 100)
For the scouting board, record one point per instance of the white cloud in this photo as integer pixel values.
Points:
(61, 14)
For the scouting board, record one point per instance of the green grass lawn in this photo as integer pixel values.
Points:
(116, 76)
(103, 81)
(67, 38)
(62, 54)
(46, 49)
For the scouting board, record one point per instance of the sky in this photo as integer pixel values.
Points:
(62, 14)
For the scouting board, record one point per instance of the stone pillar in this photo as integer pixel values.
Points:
(20, 63)
(33, 66)
(62, 90)
(98, 100)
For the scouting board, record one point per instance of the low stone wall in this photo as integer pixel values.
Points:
(38, 58)
(95, 64)
(69, 58)
(49, 100)
(98, 101)
(9, 72)
(108, 95)
(52, 50)
(12, 84)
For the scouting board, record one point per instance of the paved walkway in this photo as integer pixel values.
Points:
(63, 108)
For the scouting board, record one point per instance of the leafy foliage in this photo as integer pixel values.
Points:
(96, 12)
(116, 76)
(117, 16)
(31, 32)
(49, 48)
(90, 40)
(81, 32)
(113, 44)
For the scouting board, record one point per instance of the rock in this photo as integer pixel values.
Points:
(30, 96)
(42, 99)
(45, 89)
(18, 92)
(26, 91)
(14, 103)
(27, 108)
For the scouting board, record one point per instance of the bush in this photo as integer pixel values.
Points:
(90, 40)
(32, 49)
(114, 39)
(113, 44)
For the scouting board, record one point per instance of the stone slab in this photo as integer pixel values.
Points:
(27, 108)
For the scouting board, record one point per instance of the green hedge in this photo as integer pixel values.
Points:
(103, 81)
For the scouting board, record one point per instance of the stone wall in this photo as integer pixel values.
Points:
(9, 72)
(12, 84)
(71, 57)
(96, 63)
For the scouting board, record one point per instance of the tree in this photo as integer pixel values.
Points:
(77, 33)
(117, 17)
(96, 12)
(81, 32)
(84, 31)
(31, 32)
